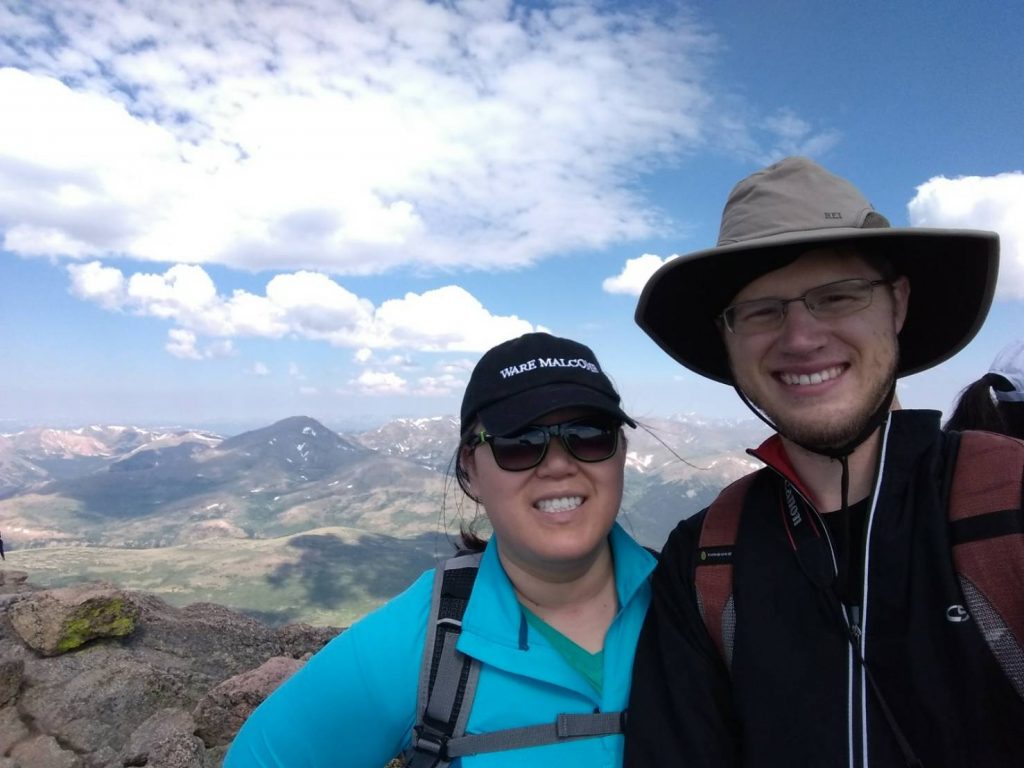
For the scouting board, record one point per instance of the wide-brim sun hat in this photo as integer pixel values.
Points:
(789, 208)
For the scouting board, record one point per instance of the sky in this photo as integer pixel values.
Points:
(227, 212)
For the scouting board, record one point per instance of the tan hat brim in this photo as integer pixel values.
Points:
(952, 276)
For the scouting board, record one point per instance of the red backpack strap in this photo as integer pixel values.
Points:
(713, 571)
(987, 526)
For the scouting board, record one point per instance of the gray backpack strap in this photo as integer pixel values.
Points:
(447, 678)
(565, 728)
(448, 684)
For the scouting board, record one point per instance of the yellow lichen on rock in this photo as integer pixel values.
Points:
(96, 618)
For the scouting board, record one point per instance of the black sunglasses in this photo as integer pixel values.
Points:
(584, 439)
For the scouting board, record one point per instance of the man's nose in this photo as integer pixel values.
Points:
(799, 325)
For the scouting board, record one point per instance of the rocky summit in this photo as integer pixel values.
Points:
(92, 676)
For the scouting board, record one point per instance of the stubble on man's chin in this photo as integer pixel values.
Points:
(828, 432)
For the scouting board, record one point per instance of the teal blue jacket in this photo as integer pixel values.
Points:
(354, 702)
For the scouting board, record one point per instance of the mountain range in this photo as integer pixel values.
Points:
(295, 521)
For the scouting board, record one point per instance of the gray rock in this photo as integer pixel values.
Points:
(214, 757)
(166, 740)
(55, 621)
(12, 729)
(11, 580)
(153, 697)
(303, 640)
(103, 697)
(204, 637)
(44, 752)
(222, 711)
(11, 673)
(179, 752)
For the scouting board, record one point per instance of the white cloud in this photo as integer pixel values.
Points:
(181, 343)
(380, 383)
(447, 318)
(184, 344)
(765, 139)
(183, 290)
(635, 274)
(260, 369)
(340, 138)
(980, 202)
(440, 386)
(465, 366)
(304, 305)
(310, 305)
(94, 282)
(219, 348)
(788, 134)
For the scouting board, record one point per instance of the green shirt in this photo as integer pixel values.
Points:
(589, 665)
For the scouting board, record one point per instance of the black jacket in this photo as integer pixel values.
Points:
(795, 694)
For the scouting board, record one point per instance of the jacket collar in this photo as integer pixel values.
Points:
(494, 612)
(913, 429)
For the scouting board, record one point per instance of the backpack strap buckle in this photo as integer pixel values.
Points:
(431, 740)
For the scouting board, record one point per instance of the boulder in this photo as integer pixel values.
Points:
(165, 740)
(157, 696)
(97, 698)
(55, 621)
(222, 711)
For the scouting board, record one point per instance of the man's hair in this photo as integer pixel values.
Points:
(879, 261)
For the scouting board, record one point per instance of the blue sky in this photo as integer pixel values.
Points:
(224, 213)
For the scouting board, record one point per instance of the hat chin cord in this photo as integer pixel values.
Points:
(840, 453)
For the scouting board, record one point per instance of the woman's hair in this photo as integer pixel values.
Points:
(978, 409)
(469, 538)
(1013, 416)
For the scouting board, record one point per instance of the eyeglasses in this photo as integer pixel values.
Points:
(825, 302)
(586, 440)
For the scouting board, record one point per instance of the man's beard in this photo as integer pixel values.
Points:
(825, 435)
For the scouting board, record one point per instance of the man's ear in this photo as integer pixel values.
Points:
(900, 301)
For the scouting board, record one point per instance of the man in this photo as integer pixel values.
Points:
(844, 640)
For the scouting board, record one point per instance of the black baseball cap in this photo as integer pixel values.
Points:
(521, 380)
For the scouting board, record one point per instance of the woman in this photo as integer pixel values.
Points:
(557, 603)
(995, 402)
